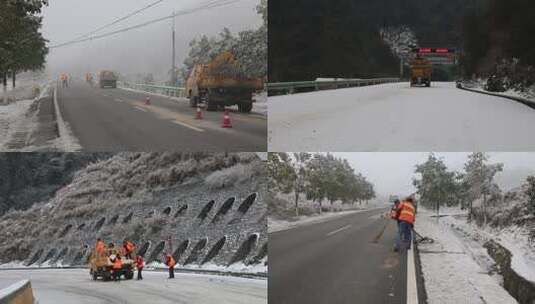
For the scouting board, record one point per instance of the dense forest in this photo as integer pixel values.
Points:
(315, 38)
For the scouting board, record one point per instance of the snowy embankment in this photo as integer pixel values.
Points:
(478, 85)
(275, 225)
(12, 119)
(396, 117)
(457, 267)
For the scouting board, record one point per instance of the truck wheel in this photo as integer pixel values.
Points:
(211, 105)
(193, 100)
(428, 84)
(129, 275)
(245, 107)
(95, 277)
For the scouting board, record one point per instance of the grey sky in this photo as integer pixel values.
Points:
(142, 50)
(392, 173)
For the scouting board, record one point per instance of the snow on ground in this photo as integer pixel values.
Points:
(74, 286)
(236, 267)
(13, 119)
(456, 269)
(479, 84)
(396, 117)
(275, 225)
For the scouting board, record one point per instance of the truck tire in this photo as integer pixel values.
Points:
(193, 100)
(94, 275)
(210, 104)
(129, 275)
(245, 107)
(428, 84)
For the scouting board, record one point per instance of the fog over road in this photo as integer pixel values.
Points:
(76, 287)
(345, 260)
(118, 120)
(396, 117)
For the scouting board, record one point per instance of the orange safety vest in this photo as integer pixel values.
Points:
(129, 247)
(100, 247)
(117, 264)
(406, 212)
(170, 261)
(139, 262)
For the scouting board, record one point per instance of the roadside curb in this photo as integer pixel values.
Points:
(420, 282)
(412, 286)
(521, 100)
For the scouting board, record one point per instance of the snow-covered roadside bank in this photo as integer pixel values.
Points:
(275, 225)
(13, 118)
(528, 96)
(456, 267)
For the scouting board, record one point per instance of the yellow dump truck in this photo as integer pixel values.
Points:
(101, 266)
(220, 83)
(107, 79)
(421, 70)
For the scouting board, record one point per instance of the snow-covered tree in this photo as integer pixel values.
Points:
(479, 176)
(436, 185)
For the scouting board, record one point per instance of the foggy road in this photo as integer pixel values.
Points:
(345, 260)
(118, 120)
(75, 286)
(396, 117)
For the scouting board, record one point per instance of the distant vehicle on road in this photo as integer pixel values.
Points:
(107, 79)
(421, 70)
(220, 83)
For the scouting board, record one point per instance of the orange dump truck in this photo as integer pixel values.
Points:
(220, 83)
(101, 265)
(421, 70)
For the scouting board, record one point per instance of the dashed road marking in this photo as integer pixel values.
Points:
(187, 125)
(118, 99)
(140, 108)
(338, 230)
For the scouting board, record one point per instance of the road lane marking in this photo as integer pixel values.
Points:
(338, 230)
(187, 125)
(140, 108)
(412, 287)
(118, 99)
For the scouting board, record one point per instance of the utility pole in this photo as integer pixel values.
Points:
(173, 70)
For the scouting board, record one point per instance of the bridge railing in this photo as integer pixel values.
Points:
(152, 88)
(278, 88)
(18, 293)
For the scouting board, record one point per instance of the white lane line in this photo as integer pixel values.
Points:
(412, 289)
(338, 230)
(187, 126)
(140, 108)
(118, 99)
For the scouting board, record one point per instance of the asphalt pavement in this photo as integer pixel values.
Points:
(345, 260)
(119, 120)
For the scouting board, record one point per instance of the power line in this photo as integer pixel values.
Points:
(119, 19)
(208, 5)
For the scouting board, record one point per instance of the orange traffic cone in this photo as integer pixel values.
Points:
(199, 113)
(226, 120)
(147, 100)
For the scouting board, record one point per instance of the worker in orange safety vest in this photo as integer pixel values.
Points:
(128, 248)
(139, 265)
(394, 215)
(406, 215)
(117, 268)
(170, 262)
(100, 247)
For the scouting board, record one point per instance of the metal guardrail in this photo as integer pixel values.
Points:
(316, 85)
(158, 89)
(18, 293)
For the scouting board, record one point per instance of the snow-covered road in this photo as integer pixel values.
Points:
(75, 286)
(396, 117)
